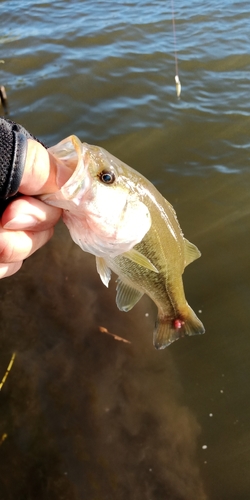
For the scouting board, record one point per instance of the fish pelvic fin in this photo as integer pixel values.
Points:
(167, 329)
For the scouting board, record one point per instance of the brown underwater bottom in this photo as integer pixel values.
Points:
(82, 414)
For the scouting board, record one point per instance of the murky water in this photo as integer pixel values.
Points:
(83, 415)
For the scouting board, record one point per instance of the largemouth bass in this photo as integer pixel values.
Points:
(116, 214)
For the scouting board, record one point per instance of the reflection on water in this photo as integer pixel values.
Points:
(87, 416)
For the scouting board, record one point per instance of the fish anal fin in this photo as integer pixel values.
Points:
(140, 259)
(191, 252)
(126, 296)
(103, 270)
(167, 330)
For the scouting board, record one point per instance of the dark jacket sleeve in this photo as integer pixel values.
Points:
(13, 150)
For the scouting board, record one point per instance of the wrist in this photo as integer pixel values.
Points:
(13, 150)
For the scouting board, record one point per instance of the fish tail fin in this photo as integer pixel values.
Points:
(167, 329)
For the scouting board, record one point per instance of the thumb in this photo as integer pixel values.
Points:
(43, 173)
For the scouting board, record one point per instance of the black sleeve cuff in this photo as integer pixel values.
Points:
(13, 151)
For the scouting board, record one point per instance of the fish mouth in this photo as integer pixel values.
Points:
(77, 185)
(75, 156)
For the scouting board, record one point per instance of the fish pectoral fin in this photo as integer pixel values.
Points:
(126, 296)
(167, 330)
(103, 270)
(191, 252)
(140, 259)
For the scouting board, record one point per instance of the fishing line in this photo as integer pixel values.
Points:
(177, 79)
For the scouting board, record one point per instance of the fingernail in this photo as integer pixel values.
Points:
(22, 221)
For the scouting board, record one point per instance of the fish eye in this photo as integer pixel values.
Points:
(107, 177)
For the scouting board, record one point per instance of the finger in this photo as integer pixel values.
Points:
(9, 269)
(29, 213)
(18, 245)
(42, 173)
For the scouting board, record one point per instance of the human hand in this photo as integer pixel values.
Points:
(27, 223)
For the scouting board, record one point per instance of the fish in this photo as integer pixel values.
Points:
(115, 213)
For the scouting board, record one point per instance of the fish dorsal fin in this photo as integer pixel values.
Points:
(191, 252)
(126, 296)
(140, 259)
(103, 270)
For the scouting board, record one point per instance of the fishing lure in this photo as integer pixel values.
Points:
(177, 79)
